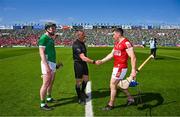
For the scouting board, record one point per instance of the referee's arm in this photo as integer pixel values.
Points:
(86, 59)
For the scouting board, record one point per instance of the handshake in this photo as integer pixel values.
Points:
(97, 62)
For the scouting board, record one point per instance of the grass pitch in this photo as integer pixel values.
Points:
(20, 82)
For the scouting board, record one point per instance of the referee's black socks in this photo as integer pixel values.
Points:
(78, 91)
(84, 83)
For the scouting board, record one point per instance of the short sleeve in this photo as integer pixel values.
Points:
(128, 44)
(42, 41)
(77, 49)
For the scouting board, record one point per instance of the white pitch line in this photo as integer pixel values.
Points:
(88, 107)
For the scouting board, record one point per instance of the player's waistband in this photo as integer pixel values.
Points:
(120, 65)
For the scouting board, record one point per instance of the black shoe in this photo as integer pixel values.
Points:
(46, 107)
(85, 95)
(82, 101)
(130, 102)
(107, 108)
(51, 100)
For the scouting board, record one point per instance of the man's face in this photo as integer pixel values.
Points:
(52, 30)
(82, 36)
(116, 35)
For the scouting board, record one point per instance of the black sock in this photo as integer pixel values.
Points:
(78, 91)
(84, 83)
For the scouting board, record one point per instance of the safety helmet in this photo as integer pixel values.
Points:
(50, 24)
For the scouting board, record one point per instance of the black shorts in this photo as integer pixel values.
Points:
(80, 69)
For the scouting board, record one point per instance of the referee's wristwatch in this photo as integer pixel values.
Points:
(94, 61)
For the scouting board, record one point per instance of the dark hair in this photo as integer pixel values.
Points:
(120, 30)
(50, 24)
(77, 33)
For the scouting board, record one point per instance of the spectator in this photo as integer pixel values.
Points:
(153, 46)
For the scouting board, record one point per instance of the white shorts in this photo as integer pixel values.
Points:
(51, 65)
(119, 73)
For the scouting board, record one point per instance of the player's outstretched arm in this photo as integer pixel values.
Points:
(86, 59)
(105, 59)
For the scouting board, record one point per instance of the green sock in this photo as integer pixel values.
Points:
(48, 96)
(42, 103)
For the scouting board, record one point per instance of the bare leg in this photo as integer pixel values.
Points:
(113, 87)
(130, 98)
(43, 90)
(126, 92)
(49, 89)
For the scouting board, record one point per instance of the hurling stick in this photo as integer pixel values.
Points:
(140, 67)
(124, 84)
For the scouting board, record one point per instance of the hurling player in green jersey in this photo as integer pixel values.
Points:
(48, 64)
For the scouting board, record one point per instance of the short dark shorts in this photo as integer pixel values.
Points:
(80, 69)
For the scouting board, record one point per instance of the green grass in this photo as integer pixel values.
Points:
(20, 83)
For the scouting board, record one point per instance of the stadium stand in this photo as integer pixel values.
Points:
(96, 35)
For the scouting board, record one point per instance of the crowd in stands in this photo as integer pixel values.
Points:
(164, 36)
(99, 36)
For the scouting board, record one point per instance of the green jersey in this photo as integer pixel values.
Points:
(48, 43)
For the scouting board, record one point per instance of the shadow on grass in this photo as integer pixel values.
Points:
(64, 101)
(144, 100)
(69, 100)
(100, 93)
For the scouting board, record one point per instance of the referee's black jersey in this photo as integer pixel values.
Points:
(78, 47)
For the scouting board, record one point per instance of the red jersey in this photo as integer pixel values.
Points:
(120, 54)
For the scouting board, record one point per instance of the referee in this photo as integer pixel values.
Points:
(80, 65)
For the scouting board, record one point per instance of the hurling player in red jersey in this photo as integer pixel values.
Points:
(121, 51)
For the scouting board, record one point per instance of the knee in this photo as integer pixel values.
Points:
(47, 76)
(112, 86)
(46, 84)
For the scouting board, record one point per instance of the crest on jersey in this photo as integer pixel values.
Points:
(78, 50)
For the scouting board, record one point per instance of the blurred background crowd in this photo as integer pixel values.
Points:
(96, 36)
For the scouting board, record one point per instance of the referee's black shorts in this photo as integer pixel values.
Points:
(80, 69)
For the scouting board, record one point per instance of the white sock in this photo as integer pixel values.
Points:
(48, 99)
(42, 104)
